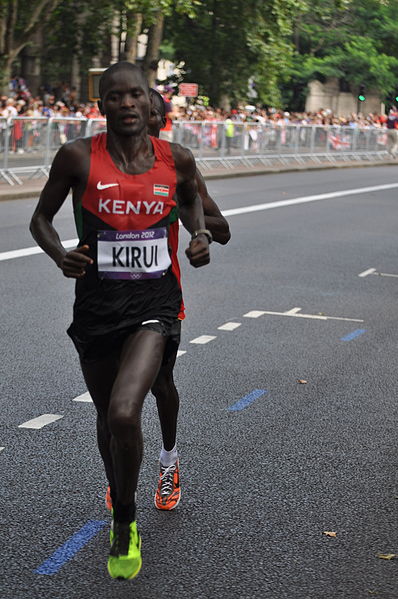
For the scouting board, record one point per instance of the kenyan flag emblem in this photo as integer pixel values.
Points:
(161, 190)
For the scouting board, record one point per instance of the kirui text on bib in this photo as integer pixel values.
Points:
(133, 255)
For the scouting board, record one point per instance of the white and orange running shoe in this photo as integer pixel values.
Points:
(168, 493)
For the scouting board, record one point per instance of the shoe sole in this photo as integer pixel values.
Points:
(167, 509)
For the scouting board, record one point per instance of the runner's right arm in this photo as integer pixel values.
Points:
(214, 220)
(67, 172)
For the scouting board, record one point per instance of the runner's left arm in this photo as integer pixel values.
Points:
(190, 206)
(214, 220)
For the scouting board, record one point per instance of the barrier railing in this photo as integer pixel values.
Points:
(28, 144)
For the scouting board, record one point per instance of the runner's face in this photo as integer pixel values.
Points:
(126, 103)
(156, 119)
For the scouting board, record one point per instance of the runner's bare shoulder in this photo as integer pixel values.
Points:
(183, 160)
(73, 158)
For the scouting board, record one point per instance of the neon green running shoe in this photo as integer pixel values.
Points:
(125, 556)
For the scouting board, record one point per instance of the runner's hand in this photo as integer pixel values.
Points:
(74, 262)
(198, 251)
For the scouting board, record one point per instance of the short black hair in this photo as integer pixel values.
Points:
(120, 66)
(153, 93)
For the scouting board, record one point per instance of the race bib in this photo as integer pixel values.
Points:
(133, 255)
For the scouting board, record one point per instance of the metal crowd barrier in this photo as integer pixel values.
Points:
(28, 144)
(250, 143)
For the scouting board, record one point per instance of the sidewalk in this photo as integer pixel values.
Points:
(32, 188)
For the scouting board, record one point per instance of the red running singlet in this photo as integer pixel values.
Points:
(117, 294)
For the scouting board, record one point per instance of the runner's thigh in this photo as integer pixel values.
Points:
(140, 361)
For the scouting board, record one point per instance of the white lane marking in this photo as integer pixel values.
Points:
(305, 199)
(85, 397)
(385, 274)
(254, 314)
(1, 448)
(365, 273)
(373, 271)
(203, 339)
(33, 250)
(40, 421)
(293, 313)
(180, 352)
(232, 212)
(229, 326)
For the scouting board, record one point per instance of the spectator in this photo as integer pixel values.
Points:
(392, 132)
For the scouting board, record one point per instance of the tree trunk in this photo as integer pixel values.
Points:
(134, 25)
(31, 63)
(155, 35)
(214, 84)
(5, 74)
(115, 37)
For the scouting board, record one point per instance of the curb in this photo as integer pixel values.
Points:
(291, 169)
(33, 192)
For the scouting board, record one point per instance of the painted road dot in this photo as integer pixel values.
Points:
(203, 339)
(245, 401)
(353, 335)
(229, 326)
(85, 398)
(40, 421)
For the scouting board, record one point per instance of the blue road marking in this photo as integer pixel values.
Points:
(353, 335)
(247, 400)
(64, 553)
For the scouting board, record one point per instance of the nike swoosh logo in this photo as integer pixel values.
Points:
(106, 185)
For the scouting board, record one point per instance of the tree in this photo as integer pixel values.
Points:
(355, 41)
(231, 41)
(151, 15)
(19, 21)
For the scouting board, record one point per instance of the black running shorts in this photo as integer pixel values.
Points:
(98, 348)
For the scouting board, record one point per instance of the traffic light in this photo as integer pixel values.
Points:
(396, 97)
(361, 94)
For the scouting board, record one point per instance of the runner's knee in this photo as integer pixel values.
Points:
(163, 386)
(124, 420)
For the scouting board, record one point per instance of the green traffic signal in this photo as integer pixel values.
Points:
(396, 98)
(361, 98)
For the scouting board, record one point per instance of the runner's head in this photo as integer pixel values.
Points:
(157, 119)
(124, 101)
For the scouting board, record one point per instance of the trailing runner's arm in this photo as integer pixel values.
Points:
(214, 220)
(190, 206)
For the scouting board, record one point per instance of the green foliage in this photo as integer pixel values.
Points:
(353, 40)
(230, 41)
(280, 45)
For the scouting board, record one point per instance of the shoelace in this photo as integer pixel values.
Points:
(121, 540)
(167, 477)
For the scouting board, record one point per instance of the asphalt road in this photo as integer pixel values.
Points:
(263, 482)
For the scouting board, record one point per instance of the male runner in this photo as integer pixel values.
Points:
(128, 295)
(168, 492)
(214, 220)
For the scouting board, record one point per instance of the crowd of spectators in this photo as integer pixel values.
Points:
(62, 101)
(279, 117)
